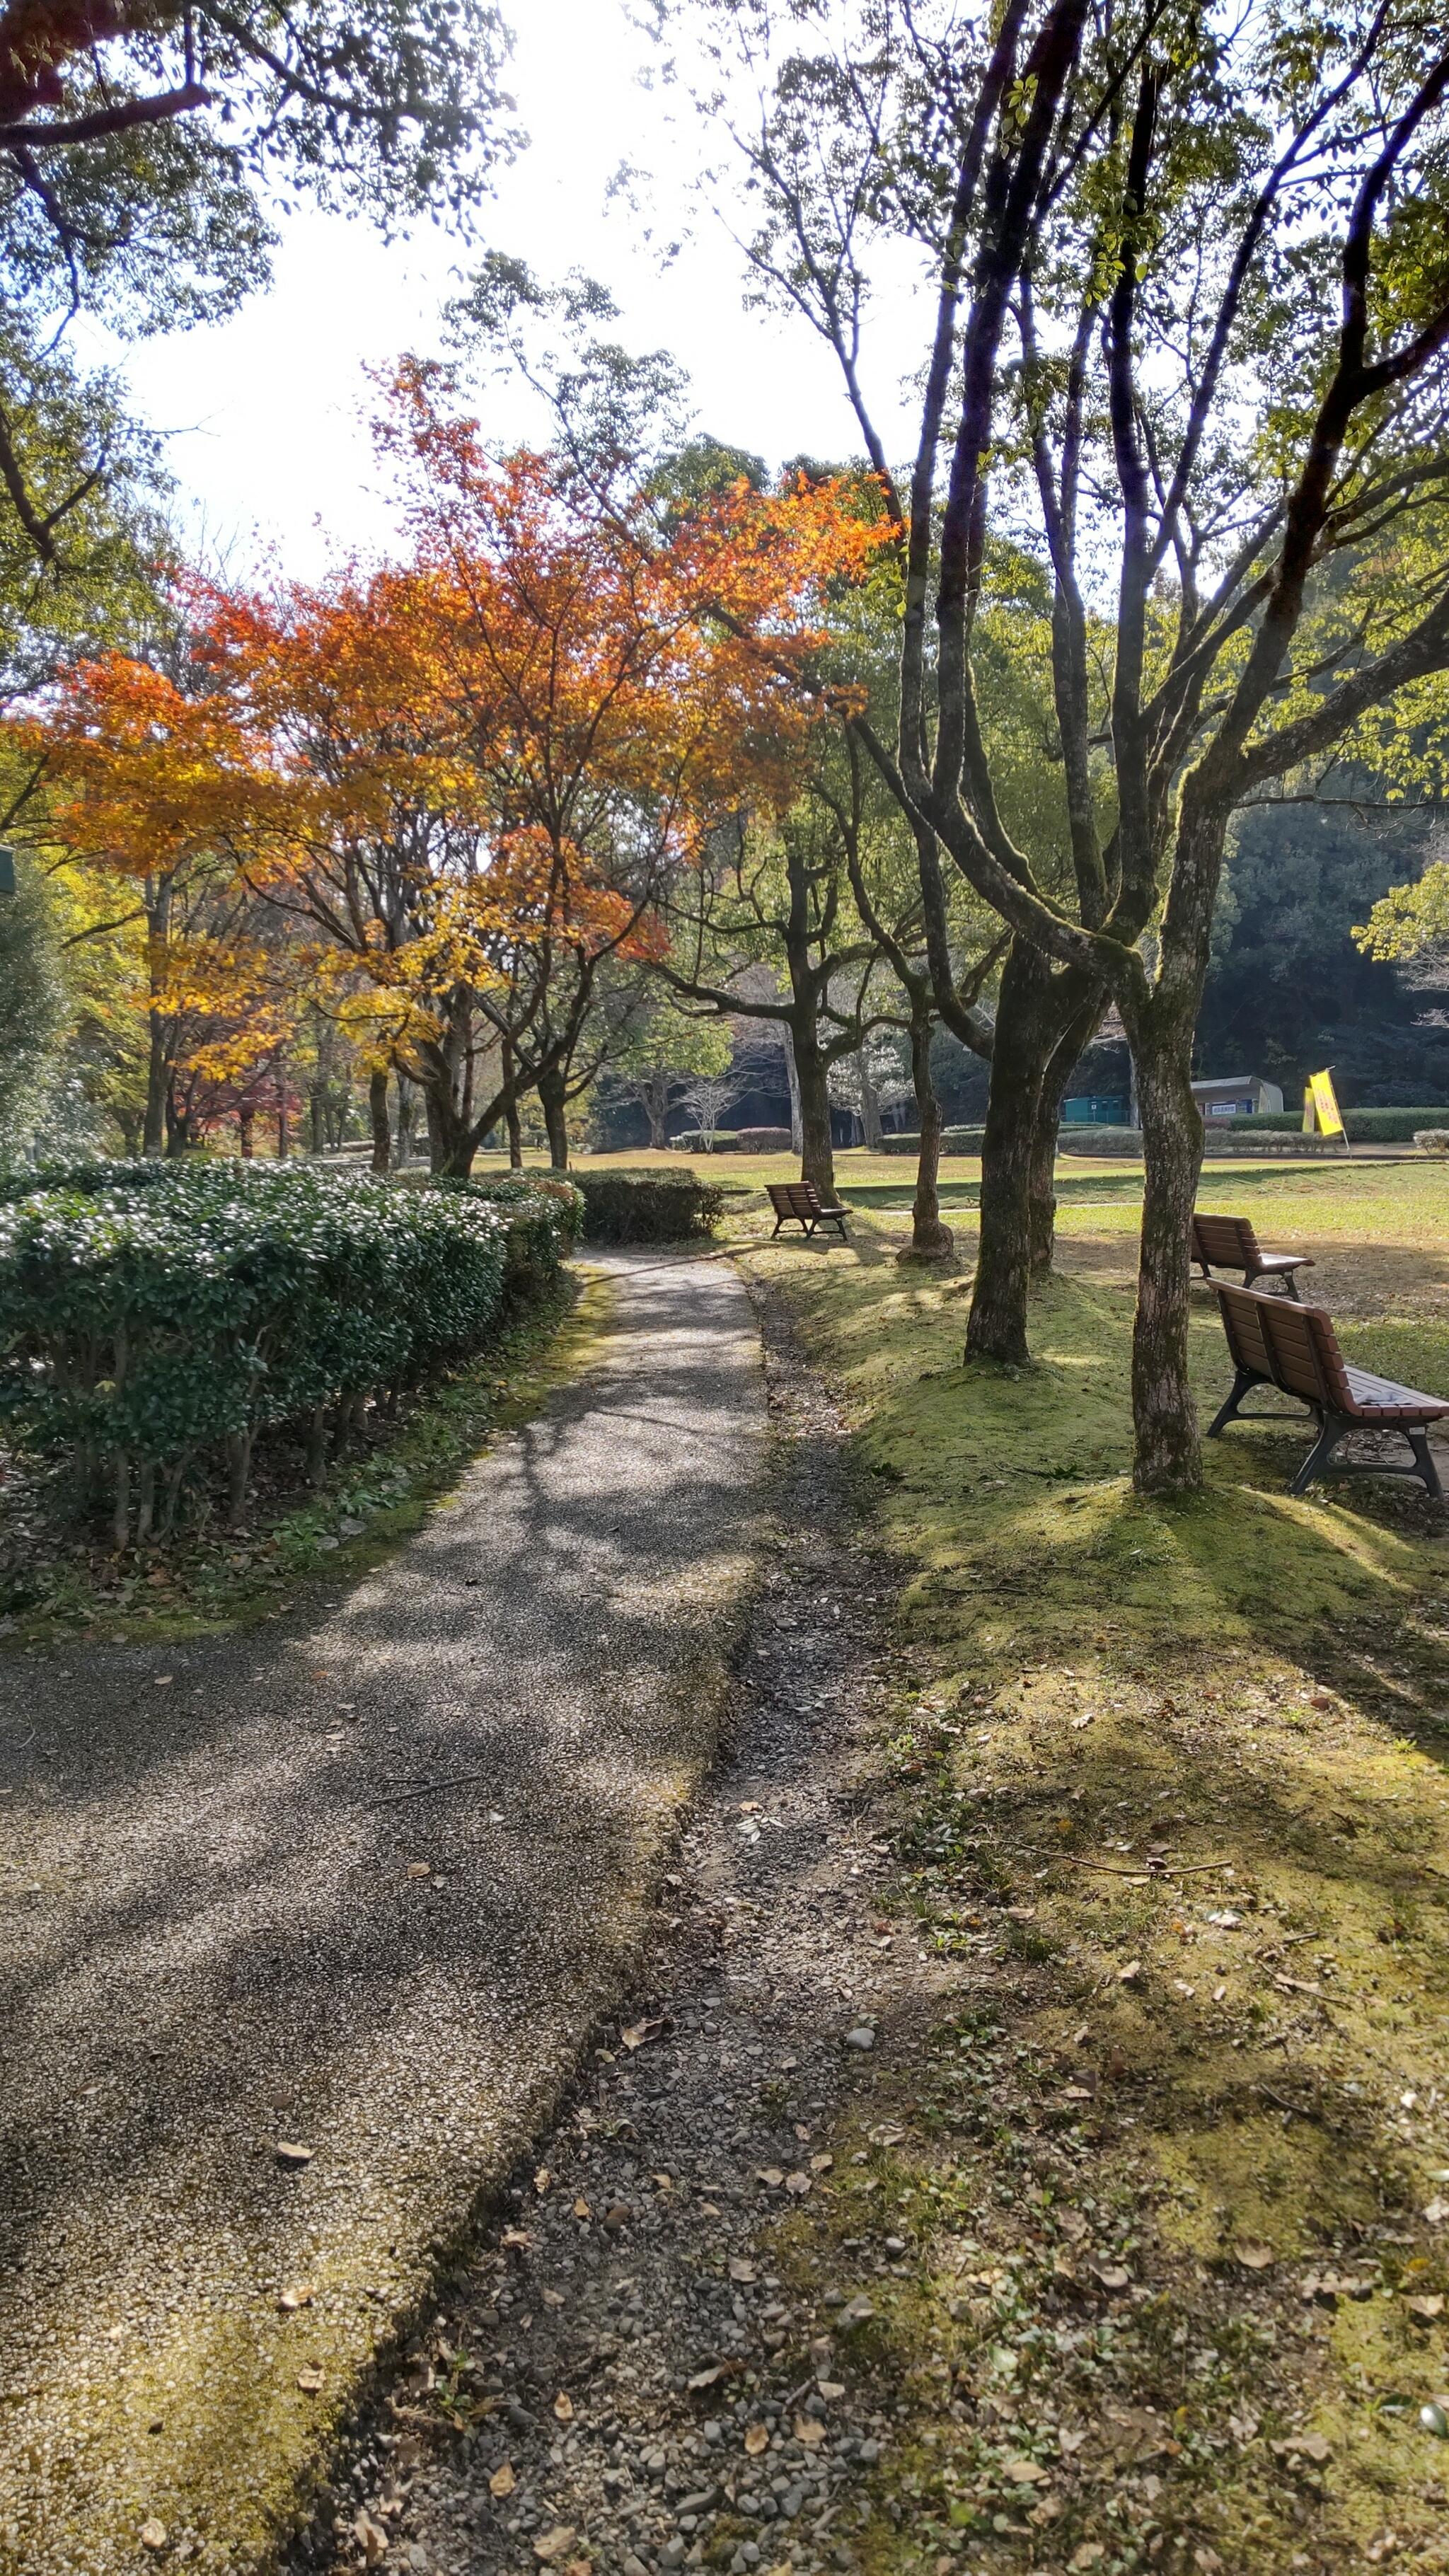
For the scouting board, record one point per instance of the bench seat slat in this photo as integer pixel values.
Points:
(1381, 1395)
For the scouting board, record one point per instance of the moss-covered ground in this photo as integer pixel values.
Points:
(1170, 2175)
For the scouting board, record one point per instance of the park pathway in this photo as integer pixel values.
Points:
(304, 1926)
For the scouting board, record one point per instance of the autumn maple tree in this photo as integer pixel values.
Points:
(465, 779)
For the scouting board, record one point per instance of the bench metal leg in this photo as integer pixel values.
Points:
(1424, 1461)
(1225, 1412)
(1332, 1427)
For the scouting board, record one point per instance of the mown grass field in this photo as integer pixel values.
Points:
(1174, 1820)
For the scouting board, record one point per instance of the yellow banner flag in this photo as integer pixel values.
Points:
(1320, 1107)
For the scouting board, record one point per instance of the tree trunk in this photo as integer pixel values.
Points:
(1168, 1455)
(654, 1098)
(551, 1089)
(869, 1105)
(930, 1239)
(817, 1153)
(996, 1327)
(284, 1141)
(317, 1118)
(1041, 1184)
(514, 1124)
(792, 1077)
(450, 1142)
(246, 1130)
(377, 1112)
(405, 1105)
(158, 1073)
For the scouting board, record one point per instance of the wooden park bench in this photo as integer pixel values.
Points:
(1295, 1348)
(799, 1203)
(1231, 1243)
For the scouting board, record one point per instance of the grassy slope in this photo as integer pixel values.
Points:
(1214, 2115)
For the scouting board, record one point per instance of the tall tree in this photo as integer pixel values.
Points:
(1192, 316)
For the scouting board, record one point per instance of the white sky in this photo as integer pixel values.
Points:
(265, 413)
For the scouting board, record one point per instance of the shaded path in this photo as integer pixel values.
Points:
(225, 1926)
(649, 2376)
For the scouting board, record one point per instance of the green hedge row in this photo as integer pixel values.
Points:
(1365, 1126)
(954, 1140)
(144, 1328)
(649, 1207)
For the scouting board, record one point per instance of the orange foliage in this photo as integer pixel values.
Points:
(453, 770)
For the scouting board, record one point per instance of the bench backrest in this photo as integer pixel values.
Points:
(1306, 1357)
(1246, 1339)
(1295, 1346)
(793, 1198)
(1228, 1239)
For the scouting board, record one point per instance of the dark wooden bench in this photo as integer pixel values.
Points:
(799, 1203)
(1231, 1243)
(1295, 1348)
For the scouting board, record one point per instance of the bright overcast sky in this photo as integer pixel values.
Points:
(266, 437)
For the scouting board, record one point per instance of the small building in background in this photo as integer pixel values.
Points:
(1237, 1095)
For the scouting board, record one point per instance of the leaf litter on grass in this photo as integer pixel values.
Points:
(1167, 2184)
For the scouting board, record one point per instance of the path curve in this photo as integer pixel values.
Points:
(213, 1943)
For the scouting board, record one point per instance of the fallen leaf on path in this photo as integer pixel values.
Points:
(641, 2032)
(298, 2294)
(581, 2208)
(706, 2378)
(289, 2153)
(618, 2215)
(309, 2381)
(420, 1869)
(372, 2538)
(822, 2164)
(563, 2407)
(515, 2236)
(503, 2481)
(1024, 2472)
(740, 2270)
(1436, 2211)
(798, 2184)
(831, 2388)
(555, 2544)
(1427, 2306)
(1131, 1975)
(152, 2534)
(757, 2439)
(541, 2180)
(1254, 2257)
(771, 2175)
(1304, 2446)
(856, 2312)
(665, 2181)
(1113, 2277)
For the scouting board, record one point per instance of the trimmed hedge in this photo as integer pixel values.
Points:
(544, 1218)
(1365, 1126)
(87, 1178)
(649, 1207)
(143, 1329)
(954, 1140)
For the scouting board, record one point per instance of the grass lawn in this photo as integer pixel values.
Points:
(1174, 1824)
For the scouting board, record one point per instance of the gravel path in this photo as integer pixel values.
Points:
(271, 2018)
(637, 2384)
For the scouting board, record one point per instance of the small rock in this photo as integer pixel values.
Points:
(862, 2036)
(1434, 2420)
(152, 2534)
(287, 2152)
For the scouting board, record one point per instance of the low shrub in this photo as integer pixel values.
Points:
(1432, 1140)
(762, 1140)
(141, 1329)
(649, 1207)
(691, 1140)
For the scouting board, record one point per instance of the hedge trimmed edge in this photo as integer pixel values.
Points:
(143, 1329)
(649, 1207)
